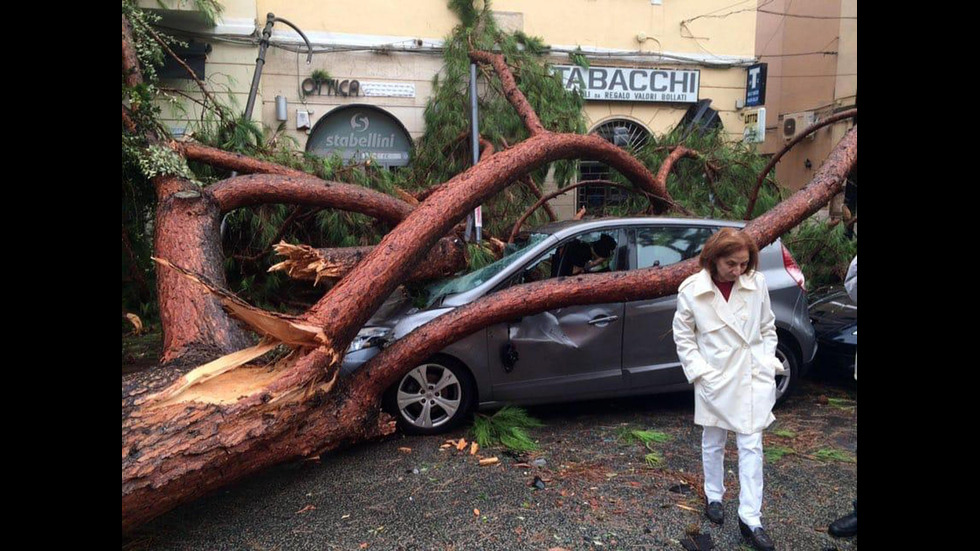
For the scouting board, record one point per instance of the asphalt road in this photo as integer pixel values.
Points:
(599, 492)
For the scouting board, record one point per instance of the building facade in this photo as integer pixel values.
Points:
(810, 49)
(651, 62)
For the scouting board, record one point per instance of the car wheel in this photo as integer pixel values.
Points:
(433, 397)
(786, 382)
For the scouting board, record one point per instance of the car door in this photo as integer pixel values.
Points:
(649, 354)
(565, 353)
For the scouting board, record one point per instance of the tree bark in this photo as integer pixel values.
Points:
(309, 264)
(225, 427)
(195, 328)
(775, 158)
(511, 91)
(228, 160)
(259, 189)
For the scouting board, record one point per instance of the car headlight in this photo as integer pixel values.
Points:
(368, 337)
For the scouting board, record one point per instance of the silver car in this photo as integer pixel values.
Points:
(576, 352)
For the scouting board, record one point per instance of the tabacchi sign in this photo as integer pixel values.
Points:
(621, 84)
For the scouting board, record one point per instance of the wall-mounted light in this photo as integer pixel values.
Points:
(281, 108)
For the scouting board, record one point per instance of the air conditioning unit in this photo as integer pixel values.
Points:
(794, 123)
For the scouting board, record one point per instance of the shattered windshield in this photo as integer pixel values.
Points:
(473, 279)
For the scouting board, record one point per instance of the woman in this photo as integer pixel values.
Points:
(725, 334)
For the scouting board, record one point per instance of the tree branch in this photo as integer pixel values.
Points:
(379, 273)
(130, 61)
(194, 151)
(127, 120)
(775, 158)
(187, 68)
(511, 91)
(529, 182)
(544, 199)
(649, 283)
(256, 189)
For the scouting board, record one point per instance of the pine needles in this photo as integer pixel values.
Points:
(648, 438)
(506, 427)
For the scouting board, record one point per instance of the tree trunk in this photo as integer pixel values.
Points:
(251, 418)
(195, 328)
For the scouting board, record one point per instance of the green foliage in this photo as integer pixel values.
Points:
(831, 454)
(653, 459)
(506, 427)
(822, 251)
(648, 436)
(479, 256)
(157, 160)
(578, 58)
(775, 453)
(445, 150)
(842, 403)
(319, 76)
(783, 433)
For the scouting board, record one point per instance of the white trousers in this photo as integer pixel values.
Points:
(750, 460)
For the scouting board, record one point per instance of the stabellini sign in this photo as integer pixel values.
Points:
(623, 84)
(359, 133)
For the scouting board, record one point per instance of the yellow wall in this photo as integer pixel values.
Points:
(819, 83)
(620, 25)
(229, 67)
(601, 23)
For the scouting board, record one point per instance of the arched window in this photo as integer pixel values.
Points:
(595, 198)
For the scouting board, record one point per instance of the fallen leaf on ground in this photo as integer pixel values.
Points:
(461, 444)
(405, 450)
(444, 446)
(489, 461)
(364, 545)
(473, 447)
(522, 465)
(686, 508)
(476, 512)
(305, 509)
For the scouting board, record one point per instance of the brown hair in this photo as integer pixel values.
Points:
(724, 242)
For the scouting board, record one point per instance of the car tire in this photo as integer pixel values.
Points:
(437, 406)
(788, 381)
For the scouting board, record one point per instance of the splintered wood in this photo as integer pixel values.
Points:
(290, 330)
(305, 262)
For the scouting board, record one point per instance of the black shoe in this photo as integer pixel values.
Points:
(845, 526)
(715, 512)
(758, 537)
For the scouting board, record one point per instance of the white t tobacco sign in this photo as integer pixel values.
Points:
(621, 84)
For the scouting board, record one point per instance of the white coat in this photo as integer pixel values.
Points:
(728, 351)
